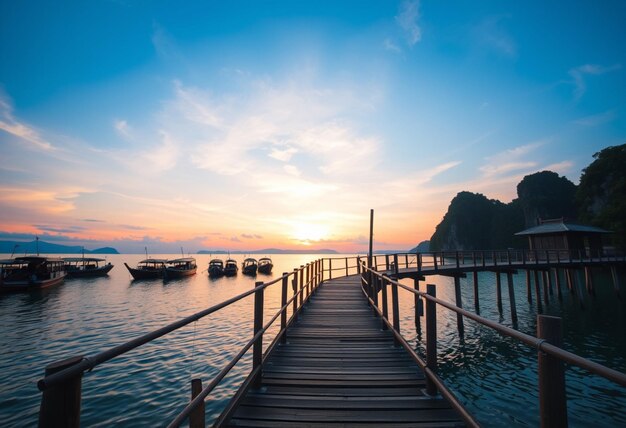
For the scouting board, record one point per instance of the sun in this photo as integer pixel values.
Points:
(308, 232)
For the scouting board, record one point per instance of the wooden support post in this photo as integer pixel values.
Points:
(330, 268)
(60, 404)
(347, 267)
(385, 310)
(545, 287)
(476, 297)
(615, 277)
(301, 283)
(257, 348)
(557, 283)
(552, 398)
(509, 281)
(196, 417)
(386, 261)
(431, 338)
(568, 278)
(537, 290)
(498, 292)
(578, 286)
(396, 312)
(419, 310)
(459, 304)
(529, 293)
(283, 302)
(435, 261)
(294, 286)
(548, 279)
(589, 281)
(406, 261)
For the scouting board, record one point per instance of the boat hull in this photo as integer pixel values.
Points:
(144, 273)
(266, 269)
(88, 273)
(178, 273)
(39, 284)
(251, 271)
(216, 272)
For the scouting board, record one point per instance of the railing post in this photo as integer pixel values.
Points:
(419, 263)
(396, 311)
(385, 311)
(330, 268)
(459, 304)
(347, 267)
(301, 285)
(386, 261)
(308, 280)
(509, 280)
(456, 255)
(196, 417)
(552, 399)
(435, 260)
(418, 306)
(257, 349)
(283, 302)
(431, 338)
(498, 292)
(294, 286)
(60, 405)
(476, 296)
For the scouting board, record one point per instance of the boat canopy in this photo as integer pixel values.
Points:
(156, 261)
(82, 259)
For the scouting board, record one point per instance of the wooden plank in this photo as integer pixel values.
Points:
(338, 368)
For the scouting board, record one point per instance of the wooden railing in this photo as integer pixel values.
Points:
(551, 357)
(62, 384)
(435, 260)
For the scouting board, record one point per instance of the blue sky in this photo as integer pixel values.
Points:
(253, 124)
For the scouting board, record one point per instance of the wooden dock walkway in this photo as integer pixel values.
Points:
(339, 369)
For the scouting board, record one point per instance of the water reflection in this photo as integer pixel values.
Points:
(495, 376)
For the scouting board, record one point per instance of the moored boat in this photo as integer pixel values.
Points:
(249, 266)
(81, 267)
(30, 273)
(265, 265)
(179, 268)
(148, 269)
(231, 268)
(216, 268)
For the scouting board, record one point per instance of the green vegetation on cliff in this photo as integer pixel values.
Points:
(601, 194)
(474, 222)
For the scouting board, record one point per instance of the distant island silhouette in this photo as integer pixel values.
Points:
(270, 251)
(49, 248)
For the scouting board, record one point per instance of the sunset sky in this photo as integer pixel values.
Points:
(247, 125)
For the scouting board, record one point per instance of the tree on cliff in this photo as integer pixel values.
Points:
(601, 195)
(546, 195)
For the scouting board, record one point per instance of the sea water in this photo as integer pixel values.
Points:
(495, 377)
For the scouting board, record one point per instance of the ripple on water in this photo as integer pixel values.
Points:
(494, 377)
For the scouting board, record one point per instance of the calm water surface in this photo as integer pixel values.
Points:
(495, 377)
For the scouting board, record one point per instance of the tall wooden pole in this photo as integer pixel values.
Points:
(369, 254)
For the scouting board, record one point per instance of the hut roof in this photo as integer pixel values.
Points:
(560, 227)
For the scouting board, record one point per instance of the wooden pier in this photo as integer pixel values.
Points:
(339, 368)
(339, 357)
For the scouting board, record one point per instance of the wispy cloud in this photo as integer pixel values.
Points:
(596, 119)
(11, 125)
(123, 128)
(492, 34)
(578, 76)
(512, 160)
(390, 45)
(407, 19)
(164, 156)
